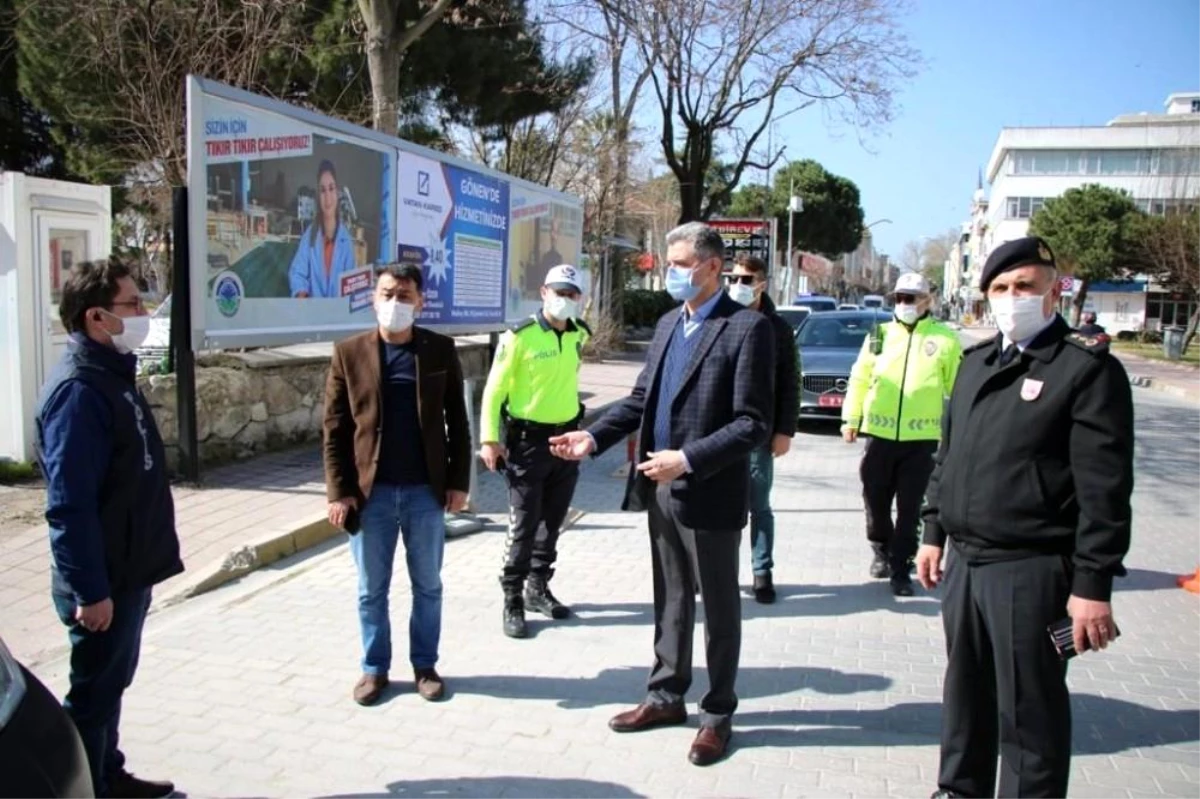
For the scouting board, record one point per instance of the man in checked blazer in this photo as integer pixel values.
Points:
(703, 403)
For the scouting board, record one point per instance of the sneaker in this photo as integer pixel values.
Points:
(125, 785)
(764, 589)
(430, 686)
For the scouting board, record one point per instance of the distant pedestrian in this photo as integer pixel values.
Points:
(748, 287)
(898, 387)
(702, 404)
(533, 388)
(397, 458)
(1032, 490)
(1089, 328)
(109, 508)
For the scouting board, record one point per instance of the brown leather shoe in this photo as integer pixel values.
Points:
(708, 747)
(646, 717)
(369, 688)
(429, 685)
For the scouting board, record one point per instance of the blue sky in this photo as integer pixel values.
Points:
(991, 65)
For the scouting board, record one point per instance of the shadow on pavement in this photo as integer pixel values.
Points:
(627, 685)
(1145, 580)
(1101, 726)
(841, 600)
(521, 787)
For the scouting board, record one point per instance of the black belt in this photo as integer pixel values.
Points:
(529, 428)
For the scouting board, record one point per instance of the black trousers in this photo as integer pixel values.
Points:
(895, 470)
(1005, 691)
(684, 559)
(540, 488)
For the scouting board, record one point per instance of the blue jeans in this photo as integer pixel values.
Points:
(762, 519)
(102, 667)
(413, 512)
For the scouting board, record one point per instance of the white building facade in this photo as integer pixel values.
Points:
(1153, 157)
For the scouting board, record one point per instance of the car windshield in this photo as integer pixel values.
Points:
(818, 305)
(842, 332)
(793, 316)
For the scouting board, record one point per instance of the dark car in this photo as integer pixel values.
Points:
(40, 750)
(816, 303)
(794, 315)
(827, 345)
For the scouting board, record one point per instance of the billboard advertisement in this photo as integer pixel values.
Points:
(546, 231)
(290, 213)
(744, 237)
(453, 222)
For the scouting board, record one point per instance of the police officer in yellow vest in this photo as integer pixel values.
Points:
(897, 390)
(534, 386)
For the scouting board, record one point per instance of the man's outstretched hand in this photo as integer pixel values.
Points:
(573, 446)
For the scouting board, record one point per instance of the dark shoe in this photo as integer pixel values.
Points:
(369, 688)
(123, 785)
(514, 619)
(538, 599)
(942, 793)
(902, 585)
(429, 685)
(646, 717)
(879, 564)
(764, 589)
(708, 747)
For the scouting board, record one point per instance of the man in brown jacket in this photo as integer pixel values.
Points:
(397, 455)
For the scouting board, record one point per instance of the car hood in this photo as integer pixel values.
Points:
(827, 360)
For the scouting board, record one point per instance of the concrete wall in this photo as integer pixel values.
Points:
(264, 400)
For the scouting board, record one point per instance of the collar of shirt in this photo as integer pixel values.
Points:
(1025, 342)
(692, 321)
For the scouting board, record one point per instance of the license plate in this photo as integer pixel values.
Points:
(830, 401)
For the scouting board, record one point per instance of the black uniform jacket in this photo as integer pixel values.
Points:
(1037, 457)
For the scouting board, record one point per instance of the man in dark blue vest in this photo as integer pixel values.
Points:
(109, 507)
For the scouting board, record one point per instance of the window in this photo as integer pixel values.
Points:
(1153, 308)
(1168, 161)
(1196, 106)
(1023, 207)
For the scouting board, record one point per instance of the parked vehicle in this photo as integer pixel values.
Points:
(828, 344)
(847, 306)
(794, 315)
(873, 301)
(816, 303)
(40, 750)
(158, 342)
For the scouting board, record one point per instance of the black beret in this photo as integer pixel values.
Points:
(1029, 251)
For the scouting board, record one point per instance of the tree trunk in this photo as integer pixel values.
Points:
(1190, 333)
(1077, 303)
(383, 61)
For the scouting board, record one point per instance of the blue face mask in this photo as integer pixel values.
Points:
(679, 284)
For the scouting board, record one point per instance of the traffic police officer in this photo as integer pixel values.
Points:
(1032, 489)
(898, 387)
(534, 385)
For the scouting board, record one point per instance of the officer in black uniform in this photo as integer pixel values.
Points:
(1031, 489)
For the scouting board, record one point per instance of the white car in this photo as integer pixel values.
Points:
(158, 342)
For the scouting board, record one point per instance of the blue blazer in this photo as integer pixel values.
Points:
(307, 272)
(721, 413)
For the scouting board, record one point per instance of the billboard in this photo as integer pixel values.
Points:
(546, 231)
(290, 213)
(744, 237)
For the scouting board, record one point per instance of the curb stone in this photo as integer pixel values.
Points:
(1182, 392)
(311, 531)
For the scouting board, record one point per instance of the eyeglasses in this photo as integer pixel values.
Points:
(745, 280)
(906, 299)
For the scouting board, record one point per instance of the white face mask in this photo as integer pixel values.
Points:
(137, 328)
(743, 294)
(561, 308)
(1019, 317)
(908, 314)
(394, 316)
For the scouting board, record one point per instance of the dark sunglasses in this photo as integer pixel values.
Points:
(745, 280)
(906, 299)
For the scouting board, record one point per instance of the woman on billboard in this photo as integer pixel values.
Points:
(326, 249)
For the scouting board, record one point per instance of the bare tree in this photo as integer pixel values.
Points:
(724, 70)
(389, 32)
(1169, 248)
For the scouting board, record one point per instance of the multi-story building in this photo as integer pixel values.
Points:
(1153, 157)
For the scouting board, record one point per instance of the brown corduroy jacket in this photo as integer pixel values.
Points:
(353, 415)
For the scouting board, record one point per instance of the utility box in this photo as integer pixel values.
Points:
(46, 226)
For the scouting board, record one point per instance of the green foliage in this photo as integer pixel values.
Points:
(832, 220)
(643, 307)
(16, 471)
(1090, 230)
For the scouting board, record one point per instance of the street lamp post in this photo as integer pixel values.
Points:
(795, 206)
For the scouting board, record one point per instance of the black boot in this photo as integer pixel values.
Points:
(539, 599)
(901, 580)
(514, 614)
(879, 564)
(764, 589)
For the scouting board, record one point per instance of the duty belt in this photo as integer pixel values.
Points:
(528, 429)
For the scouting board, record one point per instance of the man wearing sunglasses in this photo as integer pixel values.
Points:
(747, 286)
(898, 387)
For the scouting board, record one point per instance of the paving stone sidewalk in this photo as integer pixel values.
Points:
(245, 691)
(232, 506)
